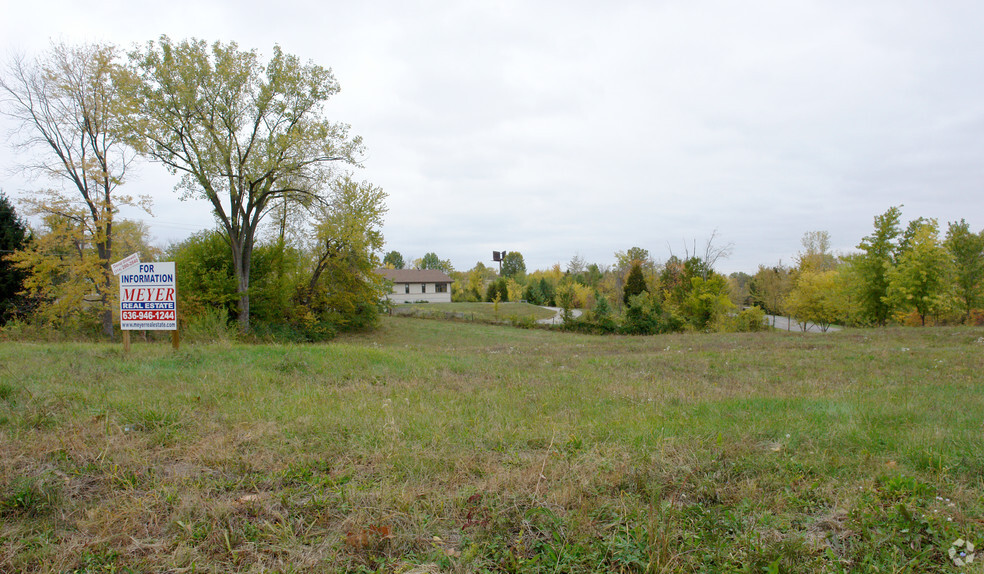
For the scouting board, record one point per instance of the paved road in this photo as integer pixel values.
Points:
(787, 324)
(559, 317)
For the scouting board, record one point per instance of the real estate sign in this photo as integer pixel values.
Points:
(125, 263)
(148, 298)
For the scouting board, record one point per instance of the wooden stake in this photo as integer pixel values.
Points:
(175, 339)
(126, 341)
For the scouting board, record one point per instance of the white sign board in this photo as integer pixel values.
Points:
(148, 298)
(123, 264)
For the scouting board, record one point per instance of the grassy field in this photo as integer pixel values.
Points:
(482, 312)
(432, 446)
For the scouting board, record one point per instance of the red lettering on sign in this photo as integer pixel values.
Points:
(155, 294)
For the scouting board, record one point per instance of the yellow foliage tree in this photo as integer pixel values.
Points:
(818, 298)
(514, 289)
(65, 272)
(66, 107)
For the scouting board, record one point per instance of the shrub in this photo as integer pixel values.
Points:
(748, 320)
(592, 323)
(523, 322)
(208, 326)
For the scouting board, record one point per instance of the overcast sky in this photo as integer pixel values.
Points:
(569, 127)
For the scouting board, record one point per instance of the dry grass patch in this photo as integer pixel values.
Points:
(431, 446)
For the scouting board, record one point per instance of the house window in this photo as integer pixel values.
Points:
(423, 287)
(441, 288)
(406, 288)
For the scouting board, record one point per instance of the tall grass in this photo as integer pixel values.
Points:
(429, 446)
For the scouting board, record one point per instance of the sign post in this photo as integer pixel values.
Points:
(148, 300)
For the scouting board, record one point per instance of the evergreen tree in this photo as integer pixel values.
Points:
(602, 309)
(548, 291)
(532, 293)
(635, 283)
(500, 288)
(13, 236)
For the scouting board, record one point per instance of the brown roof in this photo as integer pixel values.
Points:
(415, 275)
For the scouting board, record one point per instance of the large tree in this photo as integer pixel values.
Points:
(625, 259)
(395, 259)
(66, 110)
(817, 298)
(874, 263)
(922, 279)
(770, 286)
(244, 135)
(816, 254)
(432, 261)
(967, 249)
(707, 301)
(513, 265)
(346, 238)
(64, 268)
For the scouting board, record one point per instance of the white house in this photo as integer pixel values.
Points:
(413, 285)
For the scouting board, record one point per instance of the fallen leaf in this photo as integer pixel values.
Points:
(365, 536)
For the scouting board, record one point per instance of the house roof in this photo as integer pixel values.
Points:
(415, 275)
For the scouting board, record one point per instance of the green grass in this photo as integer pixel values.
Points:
(482, 312)
(432, 446)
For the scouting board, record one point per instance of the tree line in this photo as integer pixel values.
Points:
(636, 295)
(296, 237)
(910, 275)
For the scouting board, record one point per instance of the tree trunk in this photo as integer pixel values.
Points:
(105, 251)
(107, 323)
(240, 265)
(243, 299)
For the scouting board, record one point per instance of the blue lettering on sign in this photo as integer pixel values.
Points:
(149, 280)
(146, 268)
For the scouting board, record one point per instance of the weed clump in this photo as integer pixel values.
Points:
(33, 497)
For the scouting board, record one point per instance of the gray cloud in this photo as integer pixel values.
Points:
(557, 128)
